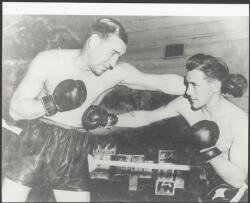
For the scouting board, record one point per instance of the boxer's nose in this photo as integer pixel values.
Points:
(189, 91)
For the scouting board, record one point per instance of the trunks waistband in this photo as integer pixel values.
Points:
(62, 125)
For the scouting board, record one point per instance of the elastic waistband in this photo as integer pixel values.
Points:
(62, 125)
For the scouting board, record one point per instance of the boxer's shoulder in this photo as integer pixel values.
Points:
(44, 60)
(125, 68)
(123, 64)
(47, 54)
(238, 113)
(122, 71)
(56, 54)
(54, 59)
(238, 123)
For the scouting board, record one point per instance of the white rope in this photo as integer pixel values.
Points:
(159, 166)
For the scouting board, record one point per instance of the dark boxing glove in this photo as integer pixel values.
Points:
(68, 95)
(95, 117)
(204, 135)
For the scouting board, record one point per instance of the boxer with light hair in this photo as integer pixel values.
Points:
(208, 80)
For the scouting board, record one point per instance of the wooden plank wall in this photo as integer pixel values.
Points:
(224, 37)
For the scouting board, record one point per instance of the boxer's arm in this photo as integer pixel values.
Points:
(235, 170)
(99, 99)
(136, 119)
(24, 103)
(167, 83)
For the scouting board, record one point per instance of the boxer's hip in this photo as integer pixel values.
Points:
(220, 191)
(53, 152)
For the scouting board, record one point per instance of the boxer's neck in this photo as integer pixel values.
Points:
(215, 106)
(82, 62)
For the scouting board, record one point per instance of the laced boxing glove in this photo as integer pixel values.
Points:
(204, 135)
(95, 117)
(68, 95)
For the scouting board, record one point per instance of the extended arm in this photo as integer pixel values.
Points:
(235, 170)
(136, 119)
(167, 83)
(100, 98)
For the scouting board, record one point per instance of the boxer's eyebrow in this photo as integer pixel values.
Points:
(118, 52)
(192, 83)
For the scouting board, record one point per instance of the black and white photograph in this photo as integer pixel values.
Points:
(167, 156)
(164, 187)
(125, 102)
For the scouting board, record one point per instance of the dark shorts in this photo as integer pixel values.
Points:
(220, 191)
(52, 155)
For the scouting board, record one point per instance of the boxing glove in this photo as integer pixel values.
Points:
(204, 135)
(68, 95)
(95, 117)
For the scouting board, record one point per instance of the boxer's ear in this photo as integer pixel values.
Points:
(216, 86)
(93, 41)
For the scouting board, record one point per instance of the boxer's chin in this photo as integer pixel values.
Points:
(195, 105)
(98, 72)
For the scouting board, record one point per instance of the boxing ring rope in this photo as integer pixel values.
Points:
(159, 166)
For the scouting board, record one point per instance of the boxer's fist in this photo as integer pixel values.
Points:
(68, 95)
(204, 135)
(95, 117)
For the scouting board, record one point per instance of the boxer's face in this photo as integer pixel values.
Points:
(199, 89)
(104, 53)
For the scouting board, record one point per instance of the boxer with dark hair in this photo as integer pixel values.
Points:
(56, 96)
(208, 80)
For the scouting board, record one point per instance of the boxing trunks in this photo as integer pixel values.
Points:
(220, 191)
(52, 155)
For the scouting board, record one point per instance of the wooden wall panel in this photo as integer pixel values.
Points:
(157, 52)
(237, 63)
(190, 30)
(205, 38)
(161, 22)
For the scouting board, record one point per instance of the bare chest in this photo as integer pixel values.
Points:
(226, 138)
(95, 85)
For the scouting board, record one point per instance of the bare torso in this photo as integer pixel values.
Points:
(225, 120)
(66, 67)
